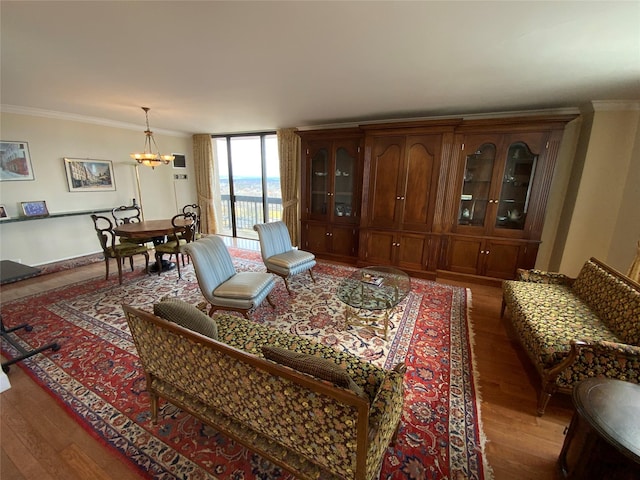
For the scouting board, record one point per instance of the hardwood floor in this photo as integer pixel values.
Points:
(40, 441)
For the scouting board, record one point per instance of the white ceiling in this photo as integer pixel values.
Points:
(223, 67)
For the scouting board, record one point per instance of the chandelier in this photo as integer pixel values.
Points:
(149, 158)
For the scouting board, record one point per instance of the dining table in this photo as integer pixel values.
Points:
(154, 229)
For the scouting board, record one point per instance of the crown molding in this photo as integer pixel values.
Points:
(470, 116)
(39, 112)
(613, 105)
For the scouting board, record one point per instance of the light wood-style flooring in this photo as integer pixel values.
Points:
(40, 441)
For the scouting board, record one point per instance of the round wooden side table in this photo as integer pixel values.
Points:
(603, 440)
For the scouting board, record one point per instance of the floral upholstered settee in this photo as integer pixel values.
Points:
(573, 329)
(278, 408)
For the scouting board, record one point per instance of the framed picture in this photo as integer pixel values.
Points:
(85, 175)
(15, 161)
(179, 160)
(35, 209)
(3, 213)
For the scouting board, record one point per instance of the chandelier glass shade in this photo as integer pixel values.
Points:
(148, 157)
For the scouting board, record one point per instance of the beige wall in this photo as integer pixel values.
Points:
(601, 215)
(592, 209)
(36, 242)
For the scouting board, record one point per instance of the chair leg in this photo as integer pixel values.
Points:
(178, 265)
(119, 270)
(312, 277)
(159, 262)
(271, 302)
(286, 284)
(106, 263)
(146, 262)
(131, 262)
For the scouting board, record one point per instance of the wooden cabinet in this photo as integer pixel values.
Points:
(500, 181)
(402, 173)
(413, 252)
(330, 240)
(331, 187)
(403, 180)
(456, 197)
(489, 257)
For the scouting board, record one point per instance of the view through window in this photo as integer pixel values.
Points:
(249, 174)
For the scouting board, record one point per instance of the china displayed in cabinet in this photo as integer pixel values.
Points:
(440, 198)
(497, 183)
(503, 181)
(331, 189)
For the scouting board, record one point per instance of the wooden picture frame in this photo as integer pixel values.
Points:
(37, 208)
(3, 213)
(15, 162)
(86, 175)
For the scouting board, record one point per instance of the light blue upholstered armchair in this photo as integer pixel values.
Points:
(220, 284)
(278, 254)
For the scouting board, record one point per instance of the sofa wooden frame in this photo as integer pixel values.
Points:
(291, 461)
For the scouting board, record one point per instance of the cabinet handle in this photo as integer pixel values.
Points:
(401, 198)
(481, 252)
(487, 252)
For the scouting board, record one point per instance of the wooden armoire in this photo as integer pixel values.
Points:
(454, 198)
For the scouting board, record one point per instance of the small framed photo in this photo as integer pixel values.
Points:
(3, 213)
(35, 209)
(15, 161)
(85, 175)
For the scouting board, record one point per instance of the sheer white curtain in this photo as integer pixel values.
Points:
(207, 183)
(289, 152)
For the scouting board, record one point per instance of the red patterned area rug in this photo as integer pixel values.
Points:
(96, 374)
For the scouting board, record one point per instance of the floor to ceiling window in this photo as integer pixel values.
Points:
(249, 175)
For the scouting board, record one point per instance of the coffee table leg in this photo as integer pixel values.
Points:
(386, 323)
(347, 315)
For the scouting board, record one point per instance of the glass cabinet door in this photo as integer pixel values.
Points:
(519, 170)
(344, 186)
(319, 181)
(478, 171)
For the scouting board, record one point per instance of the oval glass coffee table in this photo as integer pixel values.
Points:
(370, 294)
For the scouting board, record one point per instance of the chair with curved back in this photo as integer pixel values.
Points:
(221, 285)
(129, 214)
(112, 249)
(195, 209)
(278, 254)
(184, 232)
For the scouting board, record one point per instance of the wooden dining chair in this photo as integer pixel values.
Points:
(112, 249)
(182, 236)
(195, 209)
(129, 214)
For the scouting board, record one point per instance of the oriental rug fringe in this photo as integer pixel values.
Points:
(97, 377)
